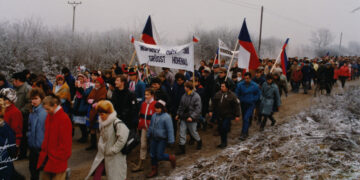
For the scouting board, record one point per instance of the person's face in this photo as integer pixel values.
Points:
(50, 109)
(2, 83)
(224, 88)
(222, 74)
(113, 74)
(148, 95)
(81, 79)
(15, 82)
(269, 81)
(180, 81)
(222, 63)
(60, 82)
(156, 86)
(158, 110)
(35, 101)
(93, 77)
(258, 74)
(202, 63)
(196, 83)
(186, 89)
(216, 70)
(97, 85)
(247, 79)
(133, 77)
(205, 74)
(239, 74)
(118, 83)
(108, 75)
(103, 116)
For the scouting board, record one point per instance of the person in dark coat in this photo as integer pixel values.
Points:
(125, 103)
(159, 93)
(176, 93)
(227, 107)
(307, 76)
(207, 82)
(221, 78)
(70, 80)
(3, 82)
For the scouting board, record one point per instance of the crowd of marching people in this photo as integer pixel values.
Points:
(121, 106)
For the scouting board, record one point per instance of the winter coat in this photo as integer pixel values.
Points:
(226, 105)
(270, 98)
(297, 76)
(13, 117)
(70, 81)
(125, 106)
(113, 136)
(336, 74)
(248, 93)
(219, 81)
(344, 71)
(146, 112)
(64, 94)
(190, 106)
(282, 83)
(81, 106)
(176, 93)
(307, 72)
(97, 95)
(161, 127)
(36, 127)
(6, 85)
(162, 95)
(208, 83)
(23, 102)
(56, 147)
(7, 137)
(259, 80)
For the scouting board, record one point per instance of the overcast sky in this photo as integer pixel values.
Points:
(174, 19)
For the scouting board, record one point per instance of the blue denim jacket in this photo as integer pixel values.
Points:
(36, 127)
(161, 127)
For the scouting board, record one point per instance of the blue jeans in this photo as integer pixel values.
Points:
(157, 149)
(247, 111)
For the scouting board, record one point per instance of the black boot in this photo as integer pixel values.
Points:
(191, 141)
(93, 143)
(199, 145)
(181, 150)
(244, 136)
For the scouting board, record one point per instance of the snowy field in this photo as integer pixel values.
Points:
(319, 143)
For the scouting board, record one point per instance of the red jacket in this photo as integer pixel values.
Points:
(336, 74)
(14, 119)
(148, 110)
(344, 71)
(56, 146)
(297, 76)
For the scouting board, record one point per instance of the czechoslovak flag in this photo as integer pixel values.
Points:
(196, 39)
(282, 58)
(247, 58)
(147, 35)
(216, 60)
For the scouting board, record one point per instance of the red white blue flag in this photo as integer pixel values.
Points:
(147, 34)
(247, 57)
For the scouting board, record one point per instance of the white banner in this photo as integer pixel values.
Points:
(175, 57)
(225, 51)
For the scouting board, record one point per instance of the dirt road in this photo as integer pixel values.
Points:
(81, 160)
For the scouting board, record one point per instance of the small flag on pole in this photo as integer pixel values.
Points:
(247, 54)
(132, 39)
(196, 39)
(216, 60)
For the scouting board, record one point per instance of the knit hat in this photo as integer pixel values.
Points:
(132, 71)
(9, 94)
(100, 80)
(207, 69)
(60, 77)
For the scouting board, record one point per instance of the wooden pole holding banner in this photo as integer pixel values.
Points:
(232, 58)
(132, 58)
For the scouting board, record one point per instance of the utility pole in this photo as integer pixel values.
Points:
(341, 34)
(261, 22)
(74, 4)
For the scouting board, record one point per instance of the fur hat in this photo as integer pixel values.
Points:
(8, 94)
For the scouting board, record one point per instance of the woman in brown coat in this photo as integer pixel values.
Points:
(97, 94)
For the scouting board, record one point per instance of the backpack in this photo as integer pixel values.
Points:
(132, 141)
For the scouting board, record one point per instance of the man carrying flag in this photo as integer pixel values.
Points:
(247, 91)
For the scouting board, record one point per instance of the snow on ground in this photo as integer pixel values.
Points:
(319, 143)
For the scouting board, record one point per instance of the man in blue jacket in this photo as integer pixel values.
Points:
(249, 93)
